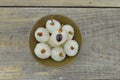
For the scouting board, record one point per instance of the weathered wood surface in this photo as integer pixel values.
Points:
(99, 57)
(92, 3)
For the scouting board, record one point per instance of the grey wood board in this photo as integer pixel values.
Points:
(92, 3)
(98, 58)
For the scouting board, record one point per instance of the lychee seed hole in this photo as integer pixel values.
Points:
(72, 48)
(70, 32)
(61, 54)
(43, 51)
(40, 34)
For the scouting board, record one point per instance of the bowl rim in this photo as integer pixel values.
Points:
(49, 67)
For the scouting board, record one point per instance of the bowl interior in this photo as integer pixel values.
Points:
(41, 23)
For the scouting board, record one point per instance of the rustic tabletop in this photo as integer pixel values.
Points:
(99, 57)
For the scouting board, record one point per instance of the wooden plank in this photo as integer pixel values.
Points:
(98, 58)
(92, 3)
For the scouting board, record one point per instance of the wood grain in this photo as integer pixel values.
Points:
(98, 58)
(85, 3)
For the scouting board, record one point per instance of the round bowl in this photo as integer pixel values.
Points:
(41, 23)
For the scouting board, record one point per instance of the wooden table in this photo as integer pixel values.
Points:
(99, 57)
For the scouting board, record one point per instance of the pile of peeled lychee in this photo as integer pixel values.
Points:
(55, 40)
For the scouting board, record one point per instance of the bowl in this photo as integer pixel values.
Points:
(49, 62)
